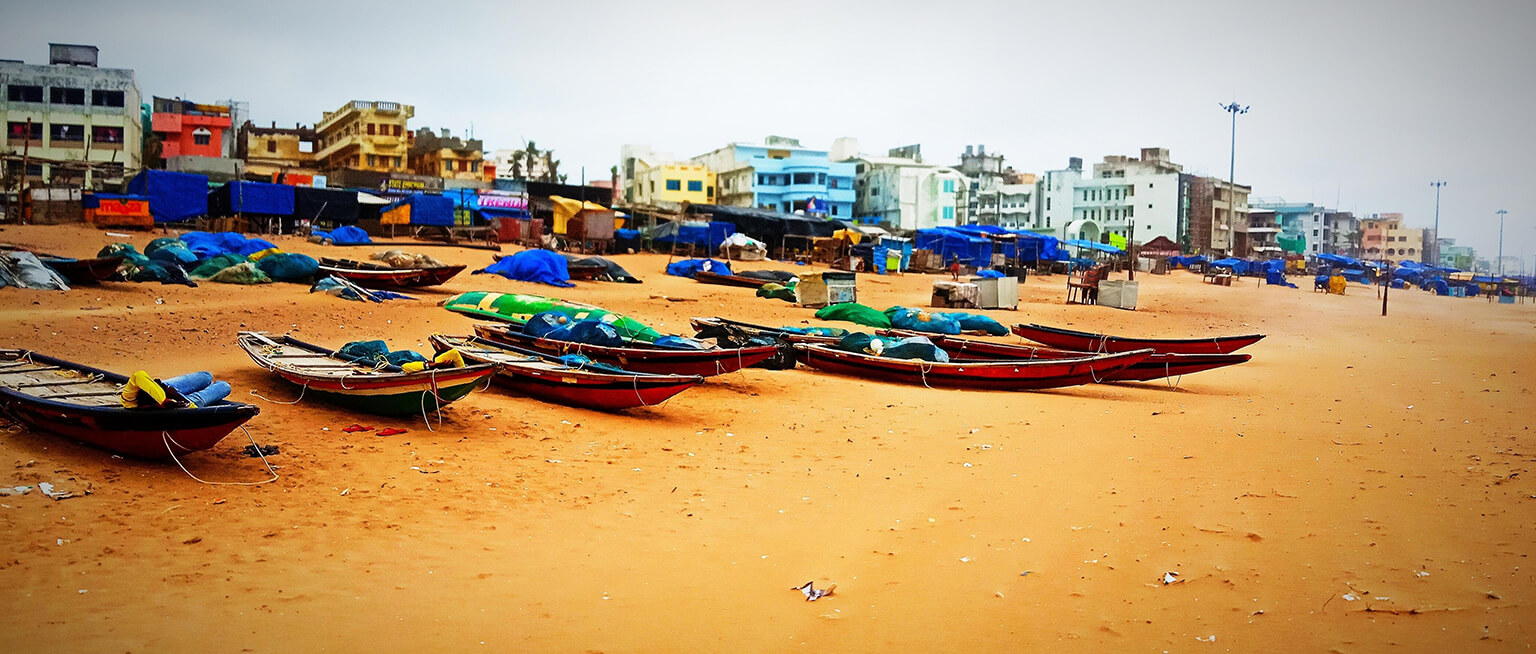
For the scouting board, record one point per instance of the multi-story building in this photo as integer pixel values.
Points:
(655, 178)
(447, 156)
(187, 128)
(1456, 256)
(1122, 196)
(364, 135)
(1382, 236)
(783, 176)
(1018, 208)
(1259, 237)
(74, 122)
(276, 153)
(1339, 234)
(902, 192)
(987, 176)
(1214, 208)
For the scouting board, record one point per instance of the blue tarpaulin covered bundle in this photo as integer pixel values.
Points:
(173, 197)
(560, 327)
(349, 235)
(540, 266)
(251, 197)
(917, 320)
(1179, 261)
(289, 266)
(170, 250)
(687, 267)
(1274, 273)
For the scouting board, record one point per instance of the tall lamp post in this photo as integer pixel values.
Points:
(1234, 108)
(1438, 184)
(1501, 213)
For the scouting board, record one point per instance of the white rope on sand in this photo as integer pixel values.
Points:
(165, 437)
(302, 390)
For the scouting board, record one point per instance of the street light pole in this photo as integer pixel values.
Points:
(1438, 185)
(1501, 241)
(1234, 108)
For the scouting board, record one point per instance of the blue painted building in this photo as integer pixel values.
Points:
(781, 175)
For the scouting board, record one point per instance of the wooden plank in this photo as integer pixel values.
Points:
(65, 382)
(22, 372)
(101, 393)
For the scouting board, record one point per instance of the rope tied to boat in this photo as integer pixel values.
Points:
(437, 400)
(1168, 372)
(165, 437)
(302, 390)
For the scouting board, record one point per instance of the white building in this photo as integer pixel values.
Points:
(902, 192)
(1121, 192)
(1018, 210)
(85, 124)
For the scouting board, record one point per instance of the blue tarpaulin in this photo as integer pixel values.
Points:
(687, 267)
(708, 235)
(540, 266)
(951, 244)
(251, 197)
(173, 197)
(433, 210)
(1178, 261)
(1101, 247)
(349, 235)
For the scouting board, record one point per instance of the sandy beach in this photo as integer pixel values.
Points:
(1363, 484)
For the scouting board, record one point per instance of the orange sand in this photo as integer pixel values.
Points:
(1354, 454)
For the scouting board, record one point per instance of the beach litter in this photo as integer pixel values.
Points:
(16, 490)
(1171, 578)
(48, 489)
(1210, 639)
(813, 593)
(253, 452)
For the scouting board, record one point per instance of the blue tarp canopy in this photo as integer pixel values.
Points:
(1101, 247)
(251, 197)
(173, 197)
(1026, 245)
(707, 235)
(434, 210)
(950, 244)
(1187, 261)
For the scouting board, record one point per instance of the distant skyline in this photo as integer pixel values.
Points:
(1354, 104)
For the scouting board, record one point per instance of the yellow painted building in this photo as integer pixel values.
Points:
(447, 156)
(273, 150)
(364, 135)
(673, 182)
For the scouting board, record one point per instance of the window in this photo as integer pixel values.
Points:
(709, 192)
(66, 133)
(100, 98)
(653, 186)
(66, 95)
(16, 132)
(762, 180)
(674, 185)
(447, 166)
(694, 185)
(271, 145)
(201, 136)
(949, 187)
(949, 212)
(474, 166)
(834, 210)
(372, 161)
(463, 165)
(21, 93)
(1314, 233)
(803, 178)
(874, 191)
(370, 128)
(821, 178)
(107, 135)
(397, 162)
(396, 130)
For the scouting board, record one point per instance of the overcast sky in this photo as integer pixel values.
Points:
(1356, 104)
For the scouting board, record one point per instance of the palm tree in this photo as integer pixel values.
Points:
(530, 154)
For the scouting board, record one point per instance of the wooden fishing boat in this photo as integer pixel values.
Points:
(1068, 339)
(78, 271)
(545, 377)
(1153, 367)
(84, 403)
(372, 275)
(987, 375)
(637, 356)
(362, 386)
(715, 327)
(706, 277)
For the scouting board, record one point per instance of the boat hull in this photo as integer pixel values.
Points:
(1067, 339)
(84, 271)
(704, 363)
(139, 433)
(587, 389)
(1153, 367)
(387, 394)
(984, 375)
(706, 277)
(392, 278)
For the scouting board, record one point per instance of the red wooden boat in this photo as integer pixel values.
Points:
(372, 275)
(637, 357)
(84, 403)
(987, 375)
(545, 377)
(1156, 366)
(1068, 339)
(706, 277)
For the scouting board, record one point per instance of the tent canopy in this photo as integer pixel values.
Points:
(251, 197)
(173, 197)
